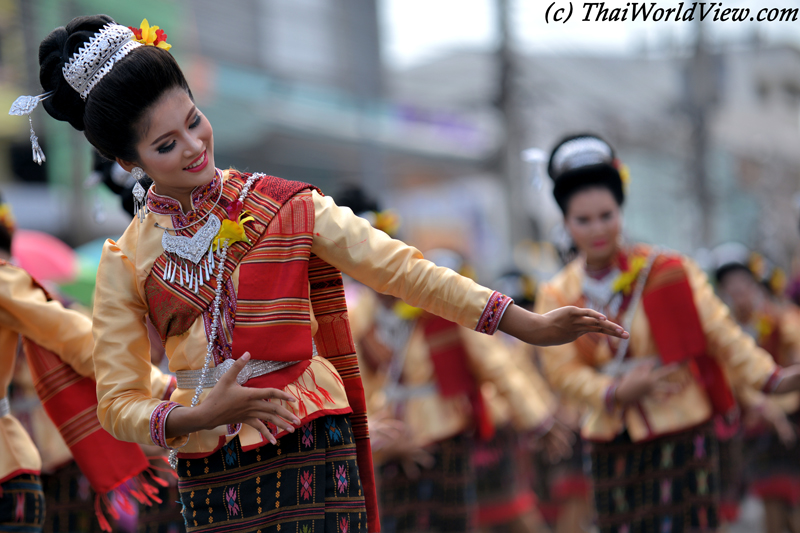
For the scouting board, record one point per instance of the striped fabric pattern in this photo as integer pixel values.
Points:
(272, 319)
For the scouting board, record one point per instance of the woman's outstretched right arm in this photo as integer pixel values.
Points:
(390, 266)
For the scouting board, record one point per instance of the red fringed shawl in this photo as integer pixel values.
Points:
(70, 400)
(672, 314)
(271, 309)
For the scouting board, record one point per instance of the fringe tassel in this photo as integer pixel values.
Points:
(137, 487)
(98, 511)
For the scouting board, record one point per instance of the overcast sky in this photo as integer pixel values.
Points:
(414, 30)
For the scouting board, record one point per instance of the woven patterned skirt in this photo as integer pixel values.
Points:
(503, 479)
(442, 499)
(308, 482)
(774, 469)
(69, 501)
(555, 484)
(164, 517)
(22, 504)
(667, 485)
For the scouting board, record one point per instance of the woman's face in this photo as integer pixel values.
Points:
(176, 148)
(594, 221)
(742, 294)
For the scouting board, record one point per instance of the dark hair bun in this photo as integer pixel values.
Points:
(583, 161)
(56, 49)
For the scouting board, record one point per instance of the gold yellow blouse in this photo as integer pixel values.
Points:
(345, 241)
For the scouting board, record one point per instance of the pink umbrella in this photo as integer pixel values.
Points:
(45, 257)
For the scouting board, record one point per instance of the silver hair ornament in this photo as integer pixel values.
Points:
(24, 105)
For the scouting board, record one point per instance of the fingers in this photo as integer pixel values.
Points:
(277, 415)
(590, 313)
(666, 371)
(601, 325)
(273, 394)
(229, 377)
(262, 428)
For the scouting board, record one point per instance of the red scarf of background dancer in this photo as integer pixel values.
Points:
(70, 401)
(669, 303)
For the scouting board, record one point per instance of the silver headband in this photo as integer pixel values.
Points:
(581, 152)
(93, 61)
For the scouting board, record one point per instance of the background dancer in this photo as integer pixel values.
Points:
(649, 400)
(746, 282)
(58, 344)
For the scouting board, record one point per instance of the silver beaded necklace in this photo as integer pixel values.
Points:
(215, 312)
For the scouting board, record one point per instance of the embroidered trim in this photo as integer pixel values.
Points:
(164, 205)
(158, 419)
(171, 386)
(774, 380)
(610, 398)
(493, 313)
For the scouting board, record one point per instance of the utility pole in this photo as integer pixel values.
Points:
(702, 95)
(506, 100)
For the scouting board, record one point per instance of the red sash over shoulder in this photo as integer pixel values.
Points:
(70, 401)
(668, 301)
(269, 313)
(453, 374)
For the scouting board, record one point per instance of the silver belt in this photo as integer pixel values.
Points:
(402, 393)
(189, 379)
(620, 368)
(5, 407)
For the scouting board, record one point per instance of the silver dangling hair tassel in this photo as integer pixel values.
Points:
(166, 270)
(181, 269)
(172, 274)
(24, 105)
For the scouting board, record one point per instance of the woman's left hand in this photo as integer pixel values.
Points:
(559, 326)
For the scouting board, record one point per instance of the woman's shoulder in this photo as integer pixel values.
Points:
(278, 189)
(565, 286)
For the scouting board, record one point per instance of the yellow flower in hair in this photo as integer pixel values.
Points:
(387, 221)
(624, 174)
(150, 35)
(7, 217)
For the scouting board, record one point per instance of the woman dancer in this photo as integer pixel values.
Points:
(210, 250)
(650, 400)
(58, 345)
(771, 422)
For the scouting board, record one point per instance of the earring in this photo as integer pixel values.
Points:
(139, 205)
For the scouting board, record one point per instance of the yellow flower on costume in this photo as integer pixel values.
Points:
(233, 231)
(405, 311)
(625, 280)
(151, 35)
(764, 327)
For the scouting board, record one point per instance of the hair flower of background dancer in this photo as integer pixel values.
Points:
(256, 329)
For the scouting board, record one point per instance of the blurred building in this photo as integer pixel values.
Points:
(293, 88)
(641, 105)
